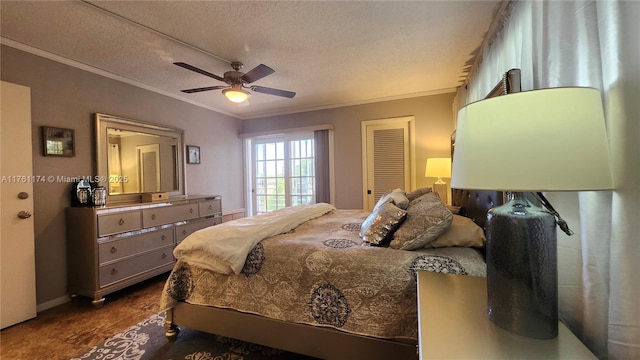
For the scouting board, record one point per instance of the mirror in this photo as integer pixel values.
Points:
(135, 157)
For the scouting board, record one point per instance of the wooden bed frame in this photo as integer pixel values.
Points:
(320, 342)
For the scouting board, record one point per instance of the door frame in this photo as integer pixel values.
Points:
(144, 149)
(401, 122)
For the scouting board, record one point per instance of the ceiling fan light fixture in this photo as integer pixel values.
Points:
(237, 82)
(236, 94)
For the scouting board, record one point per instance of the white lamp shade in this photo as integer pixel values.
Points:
(541, 140)
(438, 167)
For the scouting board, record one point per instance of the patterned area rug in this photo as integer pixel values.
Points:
(146, 341)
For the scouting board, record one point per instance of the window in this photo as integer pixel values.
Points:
(283, 171)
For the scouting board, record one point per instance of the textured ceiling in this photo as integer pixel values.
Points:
(329, 53)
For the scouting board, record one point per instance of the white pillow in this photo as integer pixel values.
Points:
(396, 196)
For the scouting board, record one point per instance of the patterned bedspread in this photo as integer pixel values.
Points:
(321, 274)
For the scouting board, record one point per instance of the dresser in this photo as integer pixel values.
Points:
(453, 324)
(112, 247)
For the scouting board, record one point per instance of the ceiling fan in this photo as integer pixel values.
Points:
(237, 82)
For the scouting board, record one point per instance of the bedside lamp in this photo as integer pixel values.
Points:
(439, 167)
(532, 141)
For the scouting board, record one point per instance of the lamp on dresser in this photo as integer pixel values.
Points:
(528, 143)
(439, 168)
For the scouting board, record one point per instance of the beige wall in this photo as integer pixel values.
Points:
(433, 126)
(63, 96)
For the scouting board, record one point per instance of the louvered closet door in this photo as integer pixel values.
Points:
(387, 159)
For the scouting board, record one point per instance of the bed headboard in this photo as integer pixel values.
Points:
(475, 204)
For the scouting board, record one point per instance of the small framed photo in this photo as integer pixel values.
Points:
(58, 141)
(193, 154)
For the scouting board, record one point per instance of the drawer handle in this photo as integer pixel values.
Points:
(191, 210)
(184, 232)
(153, 216)
(114, 271)
(121, 222)
(164, 237)
(164, 256)
(210, 207)
(114, 250)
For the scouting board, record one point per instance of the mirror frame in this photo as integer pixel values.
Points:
(103, 121)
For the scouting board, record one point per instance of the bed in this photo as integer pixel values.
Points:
(313, 286)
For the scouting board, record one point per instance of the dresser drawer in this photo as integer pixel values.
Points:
(120, 222)
(120, 270)
(124, 247)
(169, 214)
(210, 207)
(182, 231)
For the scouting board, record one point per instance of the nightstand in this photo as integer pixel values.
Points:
(453, 324)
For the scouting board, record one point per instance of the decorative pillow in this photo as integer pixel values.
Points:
(454, 209)
(427, 218)
(396, 196)
(463, 232)
(418, 193)
(379, 226)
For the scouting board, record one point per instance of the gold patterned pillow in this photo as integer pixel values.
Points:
(427, 218)
(463, 232)
(379, 226)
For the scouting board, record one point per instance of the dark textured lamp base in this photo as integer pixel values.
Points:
(522, 270)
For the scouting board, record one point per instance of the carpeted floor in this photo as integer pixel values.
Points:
(146, 341)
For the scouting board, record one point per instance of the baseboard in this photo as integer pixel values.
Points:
(52, 303)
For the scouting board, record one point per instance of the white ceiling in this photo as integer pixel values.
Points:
(330, 53)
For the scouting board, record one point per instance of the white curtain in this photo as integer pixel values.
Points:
(595, 44)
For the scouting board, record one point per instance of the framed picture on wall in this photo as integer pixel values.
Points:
(58, 141)
(193, 154)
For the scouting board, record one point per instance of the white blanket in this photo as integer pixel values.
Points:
(224, 248)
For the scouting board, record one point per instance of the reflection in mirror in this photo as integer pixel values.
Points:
(134, 157)
(147, 161)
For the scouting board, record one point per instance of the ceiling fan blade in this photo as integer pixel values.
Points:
(257, 73)
(189, 91)
(199, 71)
(271, 91)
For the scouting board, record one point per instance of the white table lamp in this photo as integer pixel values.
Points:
(439, 168)
(532, 141)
